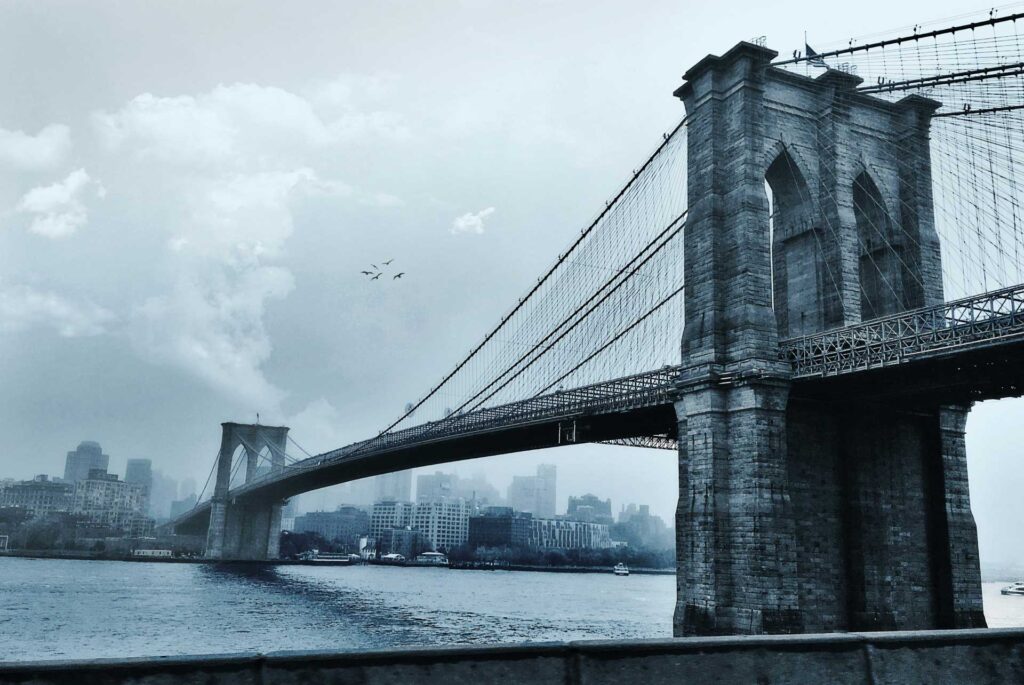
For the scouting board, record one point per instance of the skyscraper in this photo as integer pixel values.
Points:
(545, 491)
(393, 487)
(140, 472)
(522, 494)
(163, 492)
(436, 487)
(88, 456)
(534, 494)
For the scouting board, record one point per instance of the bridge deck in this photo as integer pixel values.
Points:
(636, 406)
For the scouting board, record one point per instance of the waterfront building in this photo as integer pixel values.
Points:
(105, 500)
(499, 527)
(534, 494)
(638, 528)
(393, 487)
(566, 534)
(589, 508)
(404, 541)
(38, 497)
(390, 514)
(444, 524)
(290, 511)
(345, 525)
(88, 456)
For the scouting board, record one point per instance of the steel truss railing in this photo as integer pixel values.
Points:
(901, 337)
(872, 344)
(648, 389)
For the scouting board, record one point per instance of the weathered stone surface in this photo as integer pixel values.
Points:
(903, 658)
(249, 531)
(825, 516)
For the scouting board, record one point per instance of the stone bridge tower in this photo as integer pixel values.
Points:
(795, 515)
(249, 530)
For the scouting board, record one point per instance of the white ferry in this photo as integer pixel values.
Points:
(429, 559)
(1014, 589)
(620, 569)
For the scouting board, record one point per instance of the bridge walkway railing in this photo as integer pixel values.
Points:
(646, 389)
(877, 343)
(891, 340)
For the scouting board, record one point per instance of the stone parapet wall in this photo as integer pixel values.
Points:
(933, 657)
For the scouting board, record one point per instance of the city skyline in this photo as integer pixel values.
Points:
(488, 341)
(134, 354)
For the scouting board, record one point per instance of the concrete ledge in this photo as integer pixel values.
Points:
(932, 657)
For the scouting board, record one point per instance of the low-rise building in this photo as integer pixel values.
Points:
(444, 524)
(105, 500)
(345, 525)
(638, 528)
(566, 534)
(500, 527)
(404, 541)
(589, 508)
(390, 514)
(38, 497)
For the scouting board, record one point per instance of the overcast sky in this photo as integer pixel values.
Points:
(188, 192)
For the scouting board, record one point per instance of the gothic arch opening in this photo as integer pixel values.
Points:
(796, 264)
(882, 259)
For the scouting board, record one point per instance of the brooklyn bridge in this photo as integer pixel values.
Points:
(802, 290)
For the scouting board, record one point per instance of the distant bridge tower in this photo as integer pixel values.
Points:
(797, 515)
(247, 530)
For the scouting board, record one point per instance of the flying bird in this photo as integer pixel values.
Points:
(398, 275)
(366, 273)
(375, 267)
(376, 277)
(389, 261)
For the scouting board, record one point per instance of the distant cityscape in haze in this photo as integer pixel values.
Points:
(90, 509)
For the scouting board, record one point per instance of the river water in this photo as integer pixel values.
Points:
(59, 609)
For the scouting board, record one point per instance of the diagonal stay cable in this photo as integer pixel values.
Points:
(679, 227)
(613, 340)
(561, 259)
(565, 321)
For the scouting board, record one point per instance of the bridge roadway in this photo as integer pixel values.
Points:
(966, 350)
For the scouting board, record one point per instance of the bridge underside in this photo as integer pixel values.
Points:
(556, 432)
(958, 376)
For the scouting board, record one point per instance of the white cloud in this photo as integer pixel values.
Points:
(470, 222)
(212, 327)
(45, 150)
(242, 123)
(228, 167)
(58, 208)
(22, 307)
(224, 247)
(321, 426)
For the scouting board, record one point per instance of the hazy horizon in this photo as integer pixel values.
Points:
(189, 193)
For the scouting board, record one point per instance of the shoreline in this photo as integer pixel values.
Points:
(90, 556)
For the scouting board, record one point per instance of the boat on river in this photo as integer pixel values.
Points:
(620, 569)
(429, 559)
(1014, 589)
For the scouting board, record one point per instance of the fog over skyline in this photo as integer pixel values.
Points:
(188, 193)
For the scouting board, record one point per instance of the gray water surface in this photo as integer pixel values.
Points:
(56, 609)
(61, 609)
